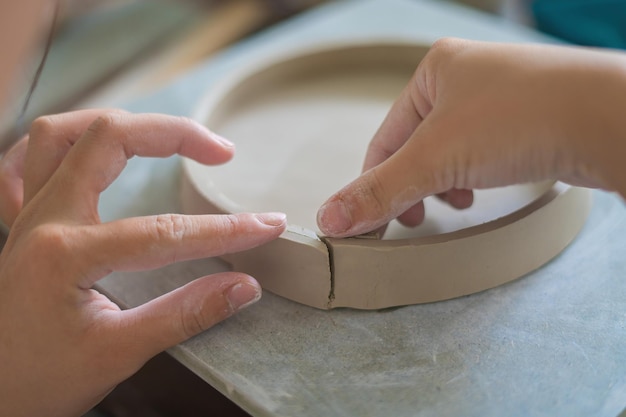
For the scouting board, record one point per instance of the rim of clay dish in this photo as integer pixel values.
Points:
(327, 281)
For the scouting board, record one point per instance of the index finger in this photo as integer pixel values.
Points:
(397, 127)
(101, 154)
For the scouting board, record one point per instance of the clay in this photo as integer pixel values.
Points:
(301, 122)
(378, 274)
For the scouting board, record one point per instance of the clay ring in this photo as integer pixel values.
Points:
(301, 121)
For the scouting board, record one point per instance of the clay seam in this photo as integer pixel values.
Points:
(331, 265)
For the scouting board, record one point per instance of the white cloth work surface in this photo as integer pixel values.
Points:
(550, 344)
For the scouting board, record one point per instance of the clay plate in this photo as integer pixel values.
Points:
(301, 121)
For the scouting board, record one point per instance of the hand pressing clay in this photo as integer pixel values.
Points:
(301, 123)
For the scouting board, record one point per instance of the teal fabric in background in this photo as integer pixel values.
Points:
(584, 22)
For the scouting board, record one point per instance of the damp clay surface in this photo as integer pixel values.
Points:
(301, 126)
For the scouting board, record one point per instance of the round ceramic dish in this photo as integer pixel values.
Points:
(301, 122)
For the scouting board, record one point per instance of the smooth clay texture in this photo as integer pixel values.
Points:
(301, 123)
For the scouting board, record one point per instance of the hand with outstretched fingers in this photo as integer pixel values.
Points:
(63, 345)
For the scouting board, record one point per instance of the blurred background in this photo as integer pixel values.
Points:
(107, 52)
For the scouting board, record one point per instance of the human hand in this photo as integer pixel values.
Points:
(480, 115)
(63, 345)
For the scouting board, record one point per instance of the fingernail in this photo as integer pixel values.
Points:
(334, 218)
(242, 295)
(272, 219)
(221, 139)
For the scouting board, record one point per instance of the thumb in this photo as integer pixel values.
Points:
(387, 190)
(364, 205)
(187, 311)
